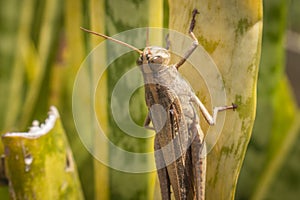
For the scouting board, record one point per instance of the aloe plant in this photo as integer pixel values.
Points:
(51, 48)
(231, 33)
(273, 136)
(39, 163)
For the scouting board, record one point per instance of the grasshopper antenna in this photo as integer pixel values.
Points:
(112, 39)
(147, 37)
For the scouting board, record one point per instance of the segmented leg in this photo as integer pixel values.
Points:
(211, 119)
(195, 42)
(164, 180)
(198, 150)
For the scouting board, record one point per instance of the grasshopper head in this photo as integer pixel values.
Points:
(154, 55)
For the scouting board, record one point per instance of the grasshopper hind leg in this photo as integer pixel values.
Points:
(198, 151)
(164, 179)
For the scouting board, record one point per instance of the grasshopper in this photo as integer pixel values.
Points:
(180, 151)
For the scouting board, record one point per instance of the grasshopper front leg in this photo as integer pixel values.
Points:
(195, 42)
(211, 119)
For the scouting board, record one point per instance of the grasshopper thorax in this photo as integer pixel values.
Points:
(154, 57)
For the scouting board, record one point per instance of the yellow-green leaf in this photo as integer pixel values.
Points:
(230, 31)
(39, 163)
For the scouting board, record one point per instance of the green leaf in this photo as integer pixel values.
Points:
(39, 163)
(231, 34)
(277, 121)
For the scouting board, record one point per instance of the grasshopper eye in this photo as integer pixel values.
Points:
(139, 61)
(156, 60)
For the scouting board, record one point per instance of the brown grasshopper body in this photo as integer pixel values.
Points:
(179, 142)
(179, 136)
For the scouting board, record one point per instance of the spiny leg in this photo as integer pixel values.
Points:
(195, 42)
(211, 119)
(163, 176)
(198, 152)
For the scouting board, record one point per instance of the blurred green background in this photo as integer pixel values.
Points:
(41, 48)
(271, 166)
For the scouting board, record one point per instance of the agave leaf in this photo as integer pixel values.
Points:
(230, 31)
(39, 163)
(273, 135)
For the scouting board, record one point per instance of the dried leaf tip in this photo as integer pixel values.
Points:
(36, 130)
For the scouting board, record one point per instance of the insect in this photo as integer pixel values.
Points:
(179, 141)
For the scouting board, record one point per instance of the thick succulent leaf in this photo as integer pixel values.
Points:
(277, 122)
(230, 32)
(39, 163)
